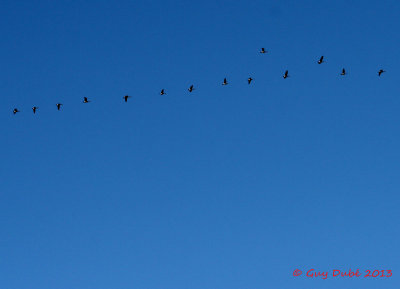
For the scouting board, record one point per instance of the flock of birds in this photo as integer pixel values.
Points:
(191, 88)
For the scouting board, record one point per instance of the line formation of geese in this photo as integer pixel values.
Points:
(191, 88)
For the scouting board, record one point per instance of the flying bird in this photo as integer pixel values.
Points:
(85, 100)
(343, 72)
(15, 110)
(34, 109)
(249, 80)
(321, 60)
(126, 98)
(162, 92)
(191, 88)
(59, 105)
(380, 72)
(225, 82)
(286, 75)
(263, 50)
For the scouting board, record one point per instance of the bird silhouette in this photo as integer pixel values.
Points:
(263, 50)
(59, 105)
(126, 98)
(34, 109)
(15, 110)
(191, 88)
(380, 72)
(85, 100)
(321, 60)
(249, 80)
(343, 72)
(225, 82)
(286, 75)
(162, 92)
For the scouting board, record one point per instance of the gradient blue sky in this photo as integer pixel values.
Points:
(228, 187)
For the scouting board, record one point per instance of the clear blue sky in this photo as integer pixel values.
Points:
(228, 187)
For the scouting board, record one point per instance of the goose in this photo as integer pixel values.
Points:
(126, 98)
(286, 75)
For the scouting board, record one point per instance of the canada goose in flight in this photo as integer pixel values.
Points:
(380, 72)
(343, 72)
(15, 110)
(263, 50)
(162, 92)
(59, 105)
(321, 60)
(249, 80)
(126, 98)
(286, 75)
(191, 88)
(34, 109)
(85, 100)
(225, 82)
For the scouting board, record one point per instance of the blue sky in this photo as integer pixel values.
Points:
(228, 187)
